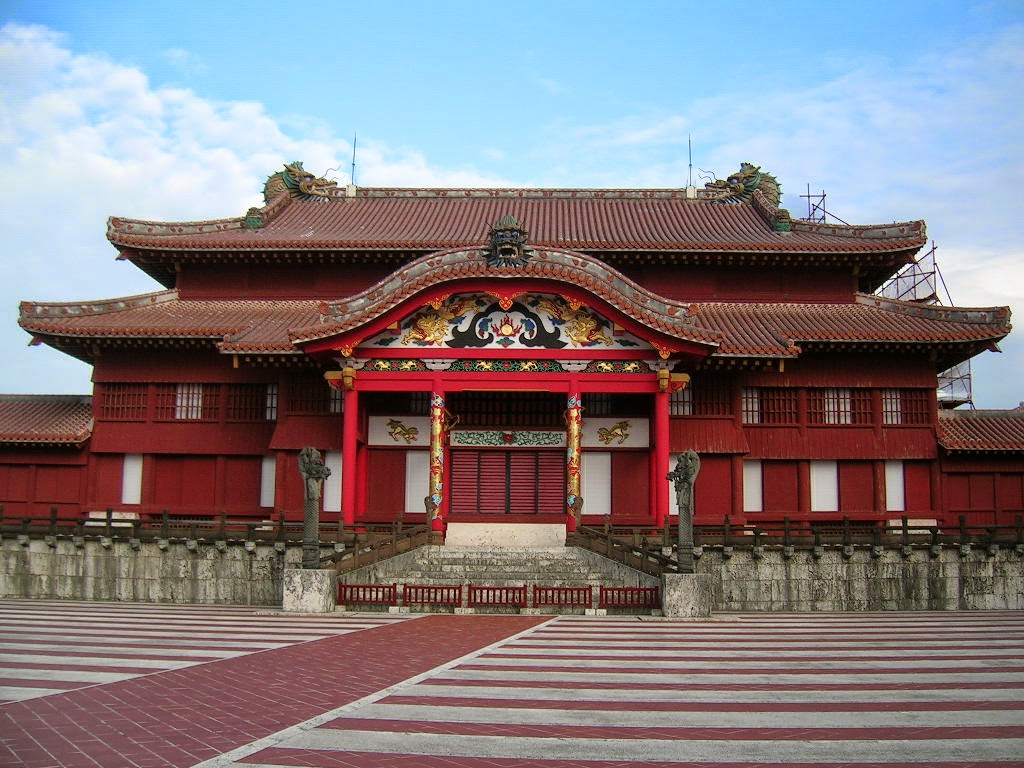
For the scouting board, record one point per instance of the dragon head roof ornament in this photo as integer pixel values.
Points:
(741, 186)
(297, 182)
(507, 246)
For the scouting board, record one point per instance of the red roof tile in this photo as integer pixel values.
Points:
(769, 330)
(251, 324)
(774, 329)
(982, 431)
(586, 220)
(45, 419)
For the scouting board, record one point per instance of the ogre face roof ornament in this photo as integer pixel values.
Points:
(507, 247)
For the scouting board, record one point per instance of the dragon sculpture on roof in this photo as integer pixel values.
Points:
(297, 182)
(741, 186)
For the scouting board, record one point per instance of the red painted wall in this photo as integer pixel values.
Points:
(32, 480)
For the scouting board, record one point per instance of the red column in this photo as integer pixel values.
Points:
(661, 457)
(349, 456)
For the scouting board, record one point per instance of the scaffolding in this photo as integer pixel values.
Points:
(816, 212)
(921, 282)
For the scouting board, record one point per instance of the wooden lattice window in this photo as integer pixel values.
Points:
(187, 402)
(124, 402)
(508, 410)
(680, 403)
(769, 405)
(906, 406)
(252, 402)
(313, 396)
(839, 406)
(711, 397)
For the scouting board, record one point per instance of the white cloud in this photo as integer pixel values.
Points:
(83, 137)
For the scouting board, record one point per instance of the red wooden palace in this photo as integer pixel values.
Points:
(514, 355)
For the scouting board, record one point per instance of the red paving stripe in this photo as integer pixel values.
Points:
(597, 685)
(914, 733)
(180, 717)
(728, 670)
(314, 758)
(707, 706)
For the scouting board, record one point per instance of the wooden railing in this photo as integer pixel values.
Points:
(505, 596)
(563, 597)
(355, 546)
(640, 549)
(420, 594)
(367, 594)
(643, 547)
(629, 597)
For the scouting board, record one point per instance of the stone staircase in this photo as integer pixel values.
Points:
(449, 566)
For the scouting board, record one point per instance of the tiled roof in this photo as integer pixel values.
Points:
(769, 330)
(45, 419)
(774, 329)
(249, 325)
(585, 220)
(982, 431)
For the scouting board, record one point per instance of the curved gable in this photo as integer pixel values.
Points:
(577, 279)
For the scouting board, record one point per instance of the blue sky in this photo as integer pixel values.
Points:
(901, 110)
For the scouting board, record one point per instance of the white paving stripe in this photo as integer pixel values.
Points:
(705, 750)
(124, 652)
(64, 675)
(14, 659)
(769, 678)
(48, 640)
(767, 695)
(638, 718)
(781, 665)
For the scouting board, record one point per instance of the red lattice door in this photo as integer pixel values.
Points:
(507, 482)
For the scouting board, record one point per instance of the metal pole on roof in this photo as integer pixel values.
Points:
(689, 154)
(352, 175)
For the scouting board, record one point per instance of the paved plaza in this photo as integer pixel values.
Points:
(104, 685)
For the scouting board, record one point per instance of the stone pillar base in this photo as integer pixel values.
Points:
(309, 590)
(686, 595)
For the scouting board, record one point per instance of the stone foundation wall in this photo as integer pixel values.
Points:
(250, 573)
(63, 568)
(863, 579)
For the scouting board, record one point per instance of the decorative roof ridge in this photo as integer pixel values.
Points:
(976, 315)
(119, 228)
(542, 193)
(982, 413)
(36, 398)
(30, 309)
(897, 229)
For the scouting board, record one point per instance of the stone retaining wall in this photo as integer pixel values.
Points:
(863, 579)
(250, 573)
(63, 568)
